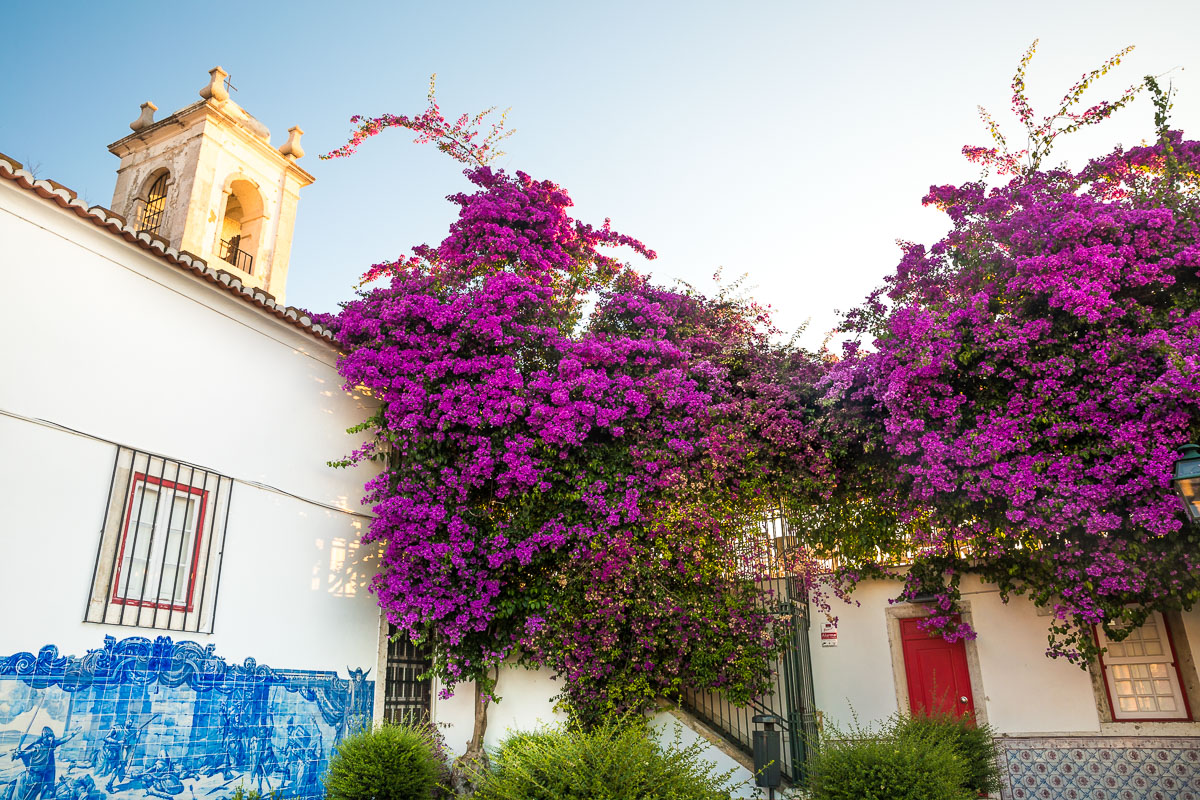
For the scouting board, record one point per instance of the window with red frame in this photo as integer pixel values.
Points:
(159, 543)
(1141, 674)
(158, 564)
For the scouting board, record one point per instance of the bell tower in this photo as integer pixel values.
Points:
(207, 180)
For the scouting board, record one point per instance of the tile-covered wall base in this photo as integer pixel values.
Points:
(139, 719)
(1101, 768)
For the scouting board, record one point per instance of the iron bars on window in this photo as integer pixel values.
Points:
(156, 205)
(158, 562)
(406, 695)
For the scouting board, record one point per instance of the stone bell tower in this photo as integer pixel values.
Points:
(207, 180)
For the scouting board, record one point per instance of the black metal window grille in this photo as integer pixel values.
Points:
(232, 252)
(158, 562)
(156, 204)
(762, 552)
(406, 695)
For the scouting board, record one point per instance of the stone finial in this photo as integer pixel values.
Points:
(216, 89)
(291, 148)
(147, 117)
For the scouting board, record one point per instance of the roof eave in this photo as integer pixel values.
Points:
(118, 226)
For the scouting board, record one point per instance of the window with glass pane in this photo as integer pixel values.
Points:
(158, 562)
(1141, 674)
(158, 547)
(156, 205)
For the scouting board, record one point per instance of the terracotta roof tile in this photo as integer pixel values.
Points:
(118, 226)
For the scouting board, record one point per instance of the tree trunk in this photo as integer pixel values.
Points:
(469, 768)
(482, 700)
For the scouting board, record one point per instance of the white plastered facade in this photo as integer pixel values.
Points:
(1017, 688)
(113, 342)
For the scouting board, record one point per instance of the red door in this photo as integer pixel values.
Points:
(938, 680)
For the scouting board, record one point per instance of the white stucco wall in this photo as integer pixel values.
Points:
(1023, 691)
(857, 673)
(526, 703)
(108, 340)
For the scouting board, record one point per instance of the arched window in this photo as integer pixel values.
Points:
(156, 204)
(241, 226)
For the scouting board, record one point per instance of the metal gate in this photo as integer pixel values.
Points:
(792, 698)
(406, 695)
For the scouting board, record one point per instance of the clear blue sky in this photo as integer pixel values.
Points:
(791, 141)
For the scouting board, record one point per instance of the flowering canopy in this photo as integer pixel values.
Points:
(538, 463)
(1034, 373)
(566, 486)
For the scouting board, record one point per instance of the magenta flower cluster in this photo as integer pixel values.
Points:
(560, 488)
(1034, 373)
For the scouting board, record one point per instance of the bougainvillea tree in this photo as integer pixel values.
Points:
(572, 453)
(659, 603)
(562, 487)
(1031, 376)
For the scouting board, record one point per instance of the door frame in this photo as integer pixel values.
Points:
(901, 611)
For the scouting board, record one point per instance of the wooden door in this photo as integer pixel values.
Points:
(938, 679)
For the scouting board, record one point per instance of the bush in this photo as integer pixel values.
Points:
(240, 793)
(975, 745)
(394, 762)
(862, 764)
(615, 761)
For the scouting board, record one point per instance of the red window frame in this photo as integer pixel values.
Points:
(185, 605)
(1112, 708)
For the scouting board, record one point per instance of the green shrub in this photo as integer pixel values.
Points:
(616, 761)
(974, 743)
(240, 793)
(863, 764)
(394, 762)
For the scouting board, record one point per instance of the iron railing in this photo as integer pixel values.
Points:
(233, 254)
(762, 552)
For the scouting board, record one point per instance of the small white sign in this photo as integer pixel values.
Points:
(829, 634)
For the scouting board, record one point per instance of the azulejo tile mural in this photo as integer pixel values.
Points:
(171, 720)
(1101, 768)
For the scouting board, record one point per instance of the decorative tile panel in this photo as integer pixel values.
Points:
(139, 719)
(1101, 768)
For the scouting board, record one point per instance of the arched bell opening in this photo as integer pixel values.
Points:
(241, 226)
